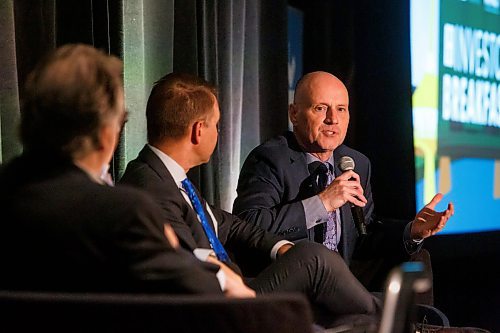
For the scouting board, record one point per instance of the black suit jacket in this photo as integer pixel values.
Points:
(245, 242)
(63, 231)
(275, 178)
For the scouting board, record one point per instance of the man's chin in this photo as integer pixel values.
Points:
(324, 145)
(328, 146)
(206, 160)
(320, 149)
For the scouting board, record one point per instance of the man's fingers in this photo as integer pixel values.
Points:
(439, 227)
(350, 187)
(359, 200)
(451, 208)
(170, 235)
(437, 198)
(426, 212)
(343, 189)
(430, 222)
(348, 175)
(420, 219)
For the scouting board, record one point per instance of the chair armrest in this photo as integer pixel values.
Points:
(88, 312)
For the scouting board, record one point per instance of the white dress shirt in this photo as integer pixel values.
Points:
(179, 175)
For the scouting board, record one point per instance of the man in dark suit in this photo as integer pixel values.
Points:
(63, 228)
(279, 190)
(182, 118)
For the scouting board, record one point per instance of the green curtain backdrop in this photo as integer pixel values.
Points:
(147, 55)
(241, 47)
(238, 45)
(27, 28)
(9, 94)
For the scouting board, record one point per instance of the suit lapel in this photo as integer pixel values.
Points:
(189, 214)
(299, 169)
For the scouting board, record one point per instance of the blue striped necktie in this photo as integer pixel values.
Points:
(212, 238)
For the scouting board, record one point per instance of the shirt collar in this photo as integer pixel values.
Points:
(172, 166)
(311, 158)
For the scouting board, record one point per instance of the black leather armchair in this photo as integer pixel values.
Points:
(24, 311)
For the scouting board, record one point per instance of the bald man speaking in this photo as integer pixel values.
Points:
(293, 185)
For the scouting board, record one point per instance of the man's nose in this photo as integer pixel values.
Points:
(331, 117)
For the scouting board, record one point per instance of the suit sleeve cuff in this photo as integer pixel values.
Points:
(412, 246)
(276, 247)
(314, 211)
(202, 255)
(221, 276)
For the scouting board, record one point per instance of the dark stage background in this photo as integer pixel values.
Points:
(365, 43)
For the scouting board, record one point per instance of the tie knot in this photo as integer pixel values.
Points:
(319, 168)
(324, 167)
(322, 174)
(187, 185)
(189, 188)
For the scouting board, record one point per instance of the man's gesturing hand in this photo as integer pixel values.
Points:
(428, 222)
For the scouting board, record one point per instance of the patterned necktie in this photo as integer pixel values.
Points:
(326, 233)
(212, 238)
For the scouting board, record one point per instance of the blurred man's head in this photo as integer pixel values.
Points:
(70, 97)
(184, 107)
(320, 113)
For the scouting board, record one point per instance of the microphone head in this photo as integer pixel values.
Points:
(346, 163)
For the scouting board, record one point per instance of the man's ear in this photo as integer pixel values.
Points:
(292, 113)
(108, 140)
(107, 137)
(196, 131)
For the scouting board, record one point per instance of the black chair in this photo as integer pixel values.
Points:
(25, 311)
(402, 284)
(402, 315)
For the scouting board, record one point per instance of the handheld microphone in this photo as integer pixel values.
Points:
(346, 163)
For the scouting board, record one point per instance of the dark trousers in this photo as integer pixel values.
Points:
(323, 276)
